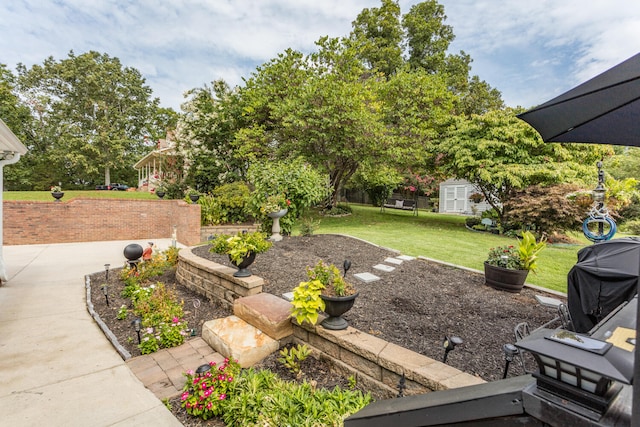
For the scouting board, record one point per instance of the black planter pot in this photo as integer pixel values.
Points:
(57, 195)
(243, 271)
(160, 194)
(504, 279)
(194, 197)
(335, 307)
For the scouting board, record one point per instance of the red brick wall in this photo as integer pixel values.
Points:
(89, 220)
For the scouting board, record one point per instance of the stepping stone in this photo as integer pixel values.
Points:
(385, 268)
(406, 257)
(366, 277)
(548, 301)
(395, 261)
(236, 339)
(288, 296)
(267, 312)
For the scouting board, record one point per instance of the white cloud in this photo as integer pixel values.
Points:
(530, 51)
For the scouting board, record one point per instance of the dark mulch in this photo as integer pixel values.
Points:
(415, 306)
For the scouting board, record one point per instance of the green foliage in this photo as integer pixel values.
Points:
(548, 210)
(122, 312)
(505, 257)
(528, 249)
(295, 181)
(205, 395)
(240, 245)
(308, 225)
(338, 210)
(260, 398)
(227, 204)
(502, 154)
(292, 358)
(632, 227)
(331, 279)
(306, 303)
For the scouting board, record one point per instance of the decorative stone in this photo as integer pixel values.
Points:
(366, 277)
(548, 301)
(267, 312)
(383, 267)
(236, 339)
(288, 296)
(406, 257)
(395, 261)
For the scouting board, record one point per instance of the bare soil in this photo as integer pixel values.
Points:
(414, 306)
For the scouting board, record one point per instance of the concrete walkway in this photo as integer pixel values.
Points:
(56, 366)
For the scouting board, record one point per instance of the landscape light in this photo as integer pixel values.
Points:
(202, 369)
(104, 292)
(510, 351)
(346, 265)
(137, 324)
(106, 271)
(449, 344)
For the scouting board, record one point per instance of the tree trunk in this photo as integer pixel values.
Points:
(107, 175)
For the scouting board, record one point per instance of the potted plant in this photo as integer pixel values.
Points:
(476, 197)
(160, 192)
(507, 267)
(241, 249)
(193, 195)
(275, 206)
(56, 192)
(326, 291)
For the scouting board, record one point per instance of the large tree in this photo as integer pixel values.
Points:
(92, 115)
(502, 154)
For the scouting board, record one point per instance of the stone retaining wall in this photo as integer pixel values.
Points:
(213, 280)
(211, 230)
(376, 364)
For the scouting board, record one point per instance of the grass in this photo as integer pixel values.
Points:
(68, 195)
(445, 237)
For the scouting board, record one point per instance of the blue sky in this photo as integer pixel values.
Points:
(530, 51)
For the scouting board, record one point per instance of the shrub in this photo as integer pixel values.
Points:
(204, 395)
(227, 204)
(472, 221)
(308, 226)
(338, 210)
(632, 227)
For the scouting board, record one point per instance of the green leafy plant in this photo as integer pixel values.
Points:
(204, 395)
(323, 279)
(56, 189)
(308, 226)
(528, 249)
(275, 203)
(227, 204)
(352, 381)
(122, 312)
(293, 357)
(522, 257)
(240, 245)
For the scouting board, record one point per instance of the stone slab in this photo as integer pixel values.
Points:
(366, 277)
(394, 261)
(236, 339)
(384, 267)
(288, 296)
(406, 257)
(548, 301)
(267, 312)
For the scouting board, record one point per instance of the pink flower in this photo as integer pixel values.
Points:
(209, 405)
(184, 396)
(190, 372)
(176, 320)
(222, 396)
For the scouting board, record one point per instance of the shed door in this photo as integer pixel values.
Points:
(455, 198)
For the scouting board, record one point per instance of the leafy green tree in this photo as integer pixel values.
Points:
(377, 35)
(92, 116)
(502, 154)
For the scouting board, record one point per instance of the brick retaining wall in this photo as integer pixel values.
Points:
(210, 230)
(90, 220)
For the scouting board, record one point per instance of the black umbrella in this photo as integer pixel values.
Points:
(603, 110)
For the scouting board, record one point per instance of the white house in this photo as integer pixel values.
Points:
(454, 198)
(10, 151)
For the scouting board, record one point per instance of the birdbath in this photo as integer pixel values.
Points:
(275, 229)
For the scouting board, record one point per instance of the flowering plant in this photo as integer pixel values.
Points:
(56, 189)
(204, 394)
(275, 203)
(524, 257)
(240, 245)
(164, 335)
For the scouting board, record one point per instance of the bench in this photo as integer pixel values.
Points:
(405, 205)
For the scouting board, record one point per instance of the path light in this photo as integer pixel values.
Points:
(401, 386)
(510, 351)
(202, 369)
(104, 292)
(449, 344)
(137, 324)
(106, 271)
(346, 265)
(196, 304)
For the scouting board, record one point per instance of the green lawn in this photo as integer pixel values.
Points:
(444, 237)
(46, 195)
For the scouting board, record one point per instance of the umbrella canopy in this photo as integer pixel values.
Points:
(604, 110)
